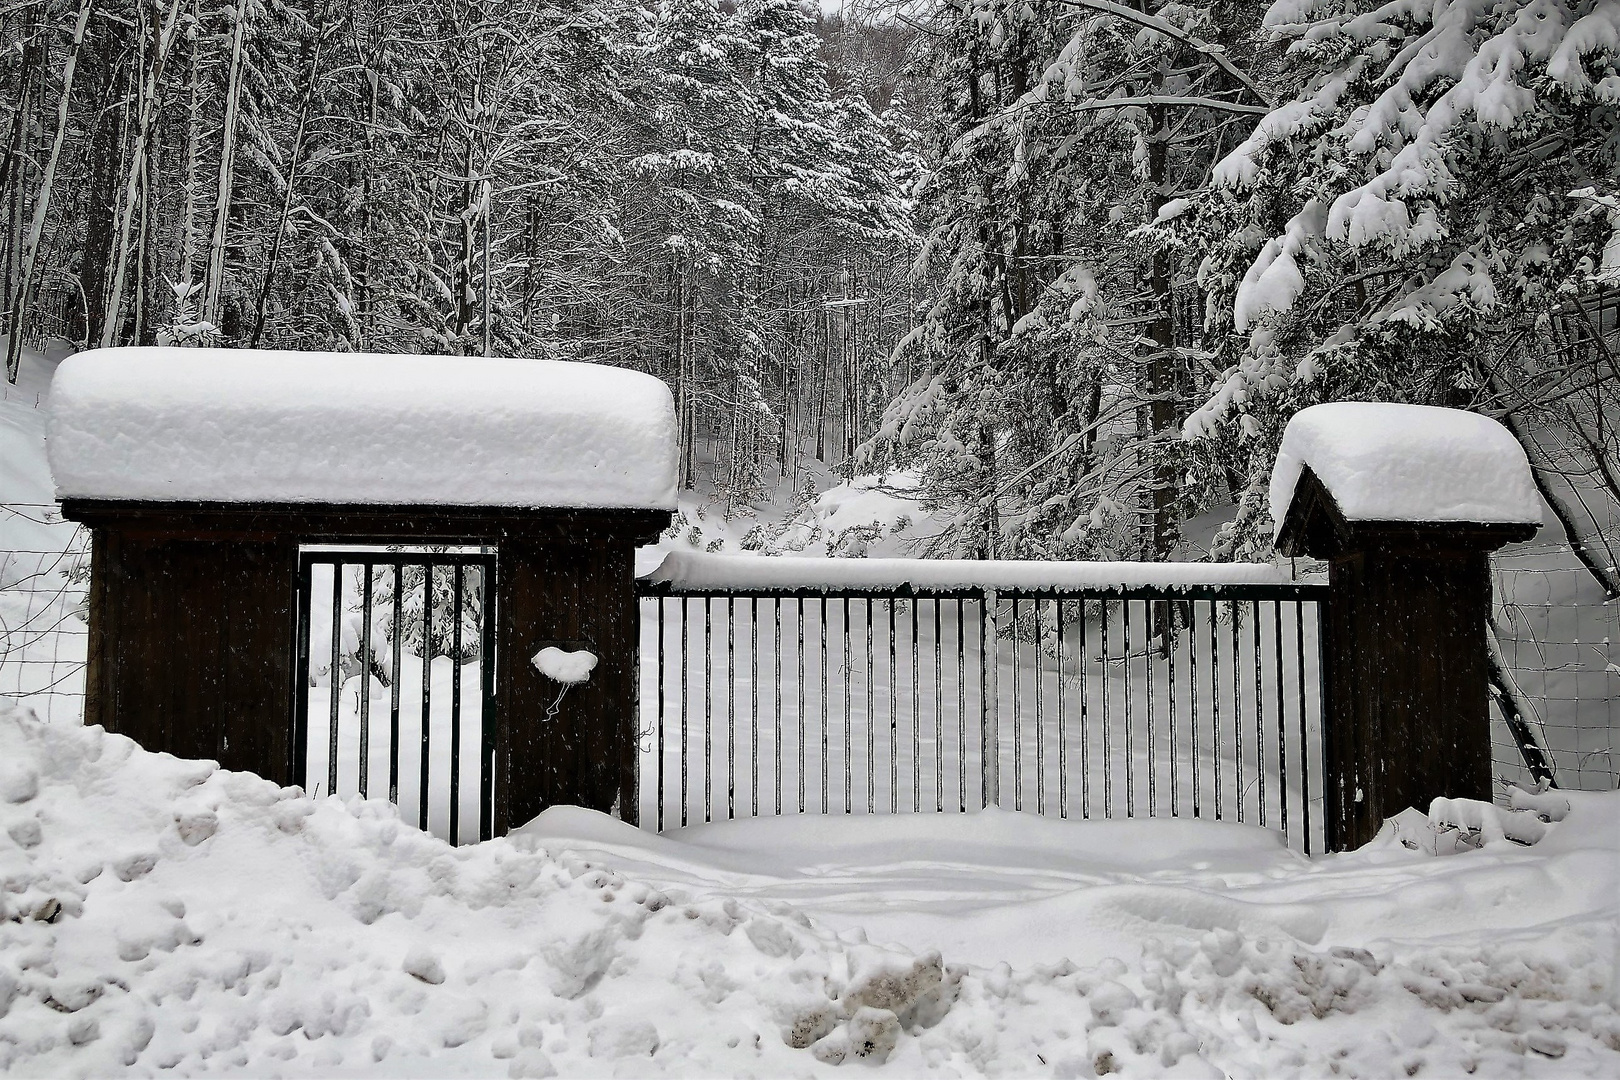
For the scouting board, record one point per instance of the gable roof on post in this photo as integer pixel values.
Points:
(1351, 473)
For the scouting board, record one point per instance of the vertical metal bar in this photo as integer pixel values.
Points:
(427, 692)
(334, 678)
(985, 764)
(1172, 638)
(1332, 803)
(961, 707)
(708, 708)
(301, 681)
(1040, 726)
(658, 790)
(916, 719)
(776, 713)
(1018, 712)
(894, 717)
(825, 693)
(798, 604)
(849, 802)
(1259, 713)
(1062, 719)
(1237, 706)
(1085, 720)
(1282, 733)
(939, 718)
(1108, 737)
(1304, 738)
(365, 683)
(486, 752)
(686, 667)
(1125, 668)
(992, 763)
(1192, 702)
(1215, 704)
(393, 678)
(456, 577)
(1147, 662)
(871, 718)
(753, 701)
(731, 707)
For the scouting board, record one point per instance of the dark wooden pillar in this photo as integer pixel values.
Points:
(1408, 677)
(575, 594)
(1407, 715)
(190, 646)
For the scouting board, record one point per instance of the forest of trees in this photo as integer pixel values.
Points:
(1074, 262)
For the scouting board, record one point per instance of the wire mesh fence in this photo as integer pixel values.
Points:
(1558, 637)
(44, 584)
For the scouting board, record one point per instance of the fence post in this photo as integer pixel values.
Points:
(1405, 503)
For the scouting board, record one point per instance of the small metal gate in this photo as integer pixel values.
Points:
(396, 682)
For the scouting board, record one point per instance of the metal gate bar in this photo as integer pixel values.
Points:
(351, 582)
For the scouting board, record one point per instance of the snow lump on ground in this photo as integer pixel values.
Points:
(159, 914)
(1388, 462)
(237, 425)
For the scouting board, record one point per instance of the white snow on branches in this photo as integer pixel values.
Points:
(1274, 282)
(1460, 69)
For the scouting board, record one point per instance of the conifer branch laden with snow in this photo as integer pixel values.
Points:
(1424, 190)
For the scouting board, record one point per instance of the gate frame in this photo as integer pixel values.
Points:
(1254, 593)
(487, 560)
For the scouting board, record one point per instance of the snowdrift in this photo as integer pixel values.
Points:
(164, 914)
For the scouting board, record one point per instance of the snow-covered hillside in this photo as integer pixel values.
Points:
(160, 914)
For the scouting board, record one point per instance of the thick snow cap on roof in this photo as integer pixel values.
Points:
(234, 425)
(1385, 462)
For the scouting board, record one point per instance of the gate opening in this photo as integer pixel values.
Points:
(395, 681)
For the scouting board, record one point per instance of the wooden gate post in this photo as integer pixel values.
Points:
(1405, 503)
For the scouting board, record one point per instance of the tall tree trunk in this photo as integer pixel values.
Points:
(145, 111)
(42, 201)
(261, 306)
(1158, 415)
(214, 279)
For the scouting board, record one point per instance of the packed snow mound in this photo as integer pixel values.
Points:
(239, 425)
(1388, 462)
(157, 913)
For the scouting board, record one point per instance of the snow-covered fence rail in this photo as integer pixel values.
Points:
(1092, 690)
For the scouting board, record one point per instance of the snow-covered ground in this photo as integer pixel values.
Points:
(159, 914)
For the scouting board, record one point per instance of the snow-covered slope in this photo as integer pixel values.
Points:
(159, 914)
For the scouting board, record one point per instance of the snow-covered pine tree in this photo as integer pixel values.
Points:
(1057, 351)
(1427, 218)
